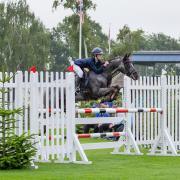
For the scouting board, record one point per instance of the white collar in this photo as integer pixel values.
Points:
(96, 60)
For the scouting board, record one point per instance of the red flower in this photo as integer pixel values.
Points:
(33, 69)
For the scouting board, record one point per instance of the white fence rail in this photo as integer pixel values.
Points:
(48, 99)
(39, 95)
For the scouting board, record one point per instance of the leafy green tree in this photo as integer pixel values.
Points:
(65, 37)
(60, 51)
(87, 4)
(128, 41)
(92, 34)
(161, 42)
(24, 41)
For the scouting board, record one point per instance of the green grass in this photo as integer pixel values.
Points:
(105, 166)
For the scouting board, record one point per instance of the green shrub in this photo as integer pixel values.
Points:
(15, 151)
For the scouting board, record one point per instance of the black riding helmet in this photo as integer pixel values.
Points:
(97, 51)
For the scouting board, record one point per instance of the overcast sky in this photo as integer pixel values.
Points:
(149, 15)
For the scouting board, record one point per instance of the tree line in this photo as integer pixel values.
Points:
(25, 41)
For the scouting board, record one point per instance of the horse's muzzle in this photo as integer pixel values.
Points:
(135, 76)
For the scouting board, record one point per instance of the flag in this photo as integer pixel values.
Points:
(33, 69)
(80, 10)
(70, 68)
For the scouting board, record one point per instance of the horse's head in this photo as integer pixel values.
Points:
(123, 65)
(129, 69)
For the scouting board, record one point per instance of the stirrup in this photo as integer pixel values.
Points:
(78, 89)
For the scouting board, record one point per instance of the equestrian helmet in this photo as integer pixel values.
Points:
(97, 51)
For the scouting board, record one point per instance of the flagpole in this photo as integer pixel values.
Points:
(80, 26)
(80, 36)
(109, 39)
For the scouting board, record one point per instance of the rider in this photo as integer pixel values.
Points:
(94, 63)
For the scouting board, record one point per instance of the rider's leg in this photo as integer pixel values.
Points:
(79, 73)
(86, 80)
(77, 82)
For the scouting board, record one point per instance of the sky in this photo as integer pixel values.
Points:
(153, 16)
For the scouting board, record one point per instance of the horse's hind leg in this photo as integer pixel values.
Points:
(104, 92)
(79, 97)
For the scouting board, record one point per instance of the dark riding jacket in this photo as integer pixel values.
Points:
(91, 64)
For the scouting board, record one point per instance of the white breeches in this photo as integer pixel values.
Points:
(77, 69)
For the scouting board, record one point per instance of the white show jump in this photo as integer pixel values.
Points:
(163, 140)
(151, 109)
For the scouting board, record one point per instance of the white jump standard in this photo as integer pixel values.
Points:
(130, 144)
(129, 141)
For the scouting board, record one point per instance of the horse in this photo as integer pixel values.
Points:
(99, 85)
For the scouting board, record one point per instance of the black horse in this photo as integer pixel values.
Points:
(99, 85)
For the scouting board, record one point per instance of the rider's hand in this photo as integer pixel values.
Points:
(106, 63)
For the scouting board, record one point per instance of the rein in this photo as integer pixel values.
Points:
(115, 72)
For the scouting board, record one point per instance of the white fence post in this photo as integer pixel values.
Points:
(167, 139)
(34, 123)
(34, 103)
(130, 139)
(19, 101)
(62, 115)
(70, 116)
(73, 143)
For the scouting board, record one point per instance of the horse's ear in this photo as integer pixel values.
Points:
(129, 54)
(125, 56)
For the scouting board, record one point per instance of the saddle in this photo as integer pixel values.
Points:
(84, 81)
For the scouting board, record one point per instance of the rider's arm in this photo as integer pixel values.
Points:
(79, 62)
(95, 69)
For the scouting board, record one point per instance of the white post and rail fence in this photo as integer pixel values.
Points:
(151, 112)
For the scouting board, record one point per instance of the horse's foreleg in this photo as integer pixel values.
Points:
(115, 93)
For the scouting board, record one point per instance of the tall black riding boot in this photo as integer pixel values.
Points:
(86, 80)
(77, 83)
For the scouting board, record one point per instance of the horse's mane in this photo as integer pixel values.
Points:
(120, 57)
(115, 58)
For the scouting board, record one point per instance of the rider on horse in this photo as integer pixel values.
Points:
(94, 63)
